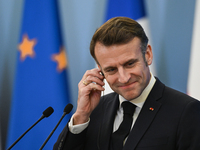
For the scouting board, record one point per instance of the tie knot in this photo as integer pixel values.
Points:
(128, 108)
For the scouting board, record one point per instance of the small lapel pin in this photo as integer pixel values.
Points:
(152, 109)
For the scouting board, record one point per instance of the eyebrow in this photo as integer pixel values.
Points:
(107, 68)
(129, 61)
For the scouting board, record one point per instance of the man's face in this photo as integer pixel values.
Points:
(124, 67)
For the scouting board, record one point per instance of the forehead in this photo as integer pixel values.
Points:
(118, 52)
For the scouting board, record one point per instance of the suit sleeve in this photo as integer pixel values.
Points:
(188, 134)
(70, 141)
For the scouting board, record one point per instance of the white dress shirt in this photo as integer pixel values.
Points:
(139, 101)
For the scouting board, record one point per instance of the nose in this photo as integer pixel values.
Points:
(123, 75)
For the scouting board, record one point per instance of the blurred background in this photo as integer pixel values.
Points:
(170, 26)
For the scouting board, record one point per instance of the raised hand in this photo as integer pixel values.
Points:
(90, 88)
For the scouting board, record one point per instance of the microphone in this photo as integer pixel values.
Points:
(45, 113)
(67, 110)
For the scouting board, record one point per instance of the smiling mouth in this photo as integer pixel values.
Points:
(127, 85)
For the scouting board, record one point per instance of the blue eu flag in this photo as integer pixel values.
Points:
(41, 77)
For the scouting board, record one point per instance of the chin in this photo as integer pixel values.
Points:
(132, 95)
(130, 98)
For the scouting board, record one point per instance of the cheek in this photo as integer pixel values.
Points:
(140, 70)
(111, 79)
(136, 73)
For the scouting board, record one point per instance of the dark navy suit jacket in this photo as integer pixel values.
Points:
(169, 120)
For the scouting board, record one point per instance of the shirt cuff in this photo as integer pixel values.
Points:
(76, 129)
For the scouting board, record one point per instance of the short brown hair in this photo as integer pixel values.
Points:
(118, 30)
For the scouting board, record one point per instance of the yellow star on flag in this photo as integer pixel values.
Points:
(61, 59)
(26, 47)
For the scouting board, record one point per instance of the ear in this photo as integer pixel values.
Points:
(98, 66)
(149, 55)
(101, 70)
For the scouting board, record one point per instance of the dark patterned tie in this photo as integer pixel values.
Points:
(119, 136)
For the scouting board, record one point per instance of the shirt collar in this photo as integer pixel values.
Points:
(139, 101)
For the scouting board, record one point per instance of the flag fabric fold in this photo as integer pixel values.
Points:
(41, 77)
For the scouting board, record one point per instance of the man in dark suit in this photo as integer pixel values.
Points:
(163, 118)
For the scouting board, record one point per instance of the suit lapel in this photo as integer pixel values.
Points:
(111, 104)
(146, 116)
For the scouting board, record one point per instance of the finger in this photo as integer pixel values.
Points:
(93, 72)
(92, 76)
(92, 79)
(86, 90)
(85, 82)
(94, 86)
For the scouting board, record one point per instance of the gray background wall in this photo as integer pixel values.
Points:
(171, 25)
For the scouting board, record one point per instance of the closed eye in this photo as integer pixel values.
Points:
(131, 63)
(110, 70)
